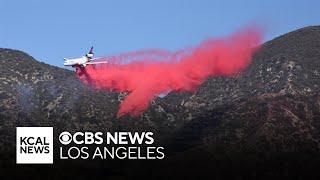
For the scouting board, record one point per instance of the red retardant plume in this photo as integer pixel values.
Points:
(147, 74)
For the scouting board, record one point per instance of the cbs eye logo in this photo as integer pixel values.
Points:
(65, 138)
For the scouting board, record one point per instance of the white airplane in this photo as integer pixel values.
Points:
(83, 61)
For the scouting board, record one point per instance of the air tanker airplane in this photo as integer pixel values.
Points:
(83, 61)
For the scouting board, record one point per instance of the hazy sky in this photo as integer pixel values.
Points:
(51, 30)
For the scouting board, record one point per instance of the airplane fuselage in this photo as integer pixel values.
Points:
(76, 62)
(83, 61)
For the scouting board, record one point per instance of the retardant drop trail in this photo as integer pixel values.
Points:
(146, 74)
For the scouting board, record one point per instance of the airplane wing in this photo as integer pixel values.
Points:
(97, 62)
(97, 59)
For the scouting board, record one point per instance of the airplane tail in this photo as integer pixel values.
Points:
(91, 50)
(90, 54)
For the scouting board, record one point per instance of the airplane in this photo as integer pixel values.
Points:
(83, 61)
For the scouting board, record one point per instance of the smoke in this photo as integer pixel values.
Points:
(147, 74)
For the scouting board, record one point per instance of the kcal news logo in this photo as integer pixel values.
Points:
(34, 145)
